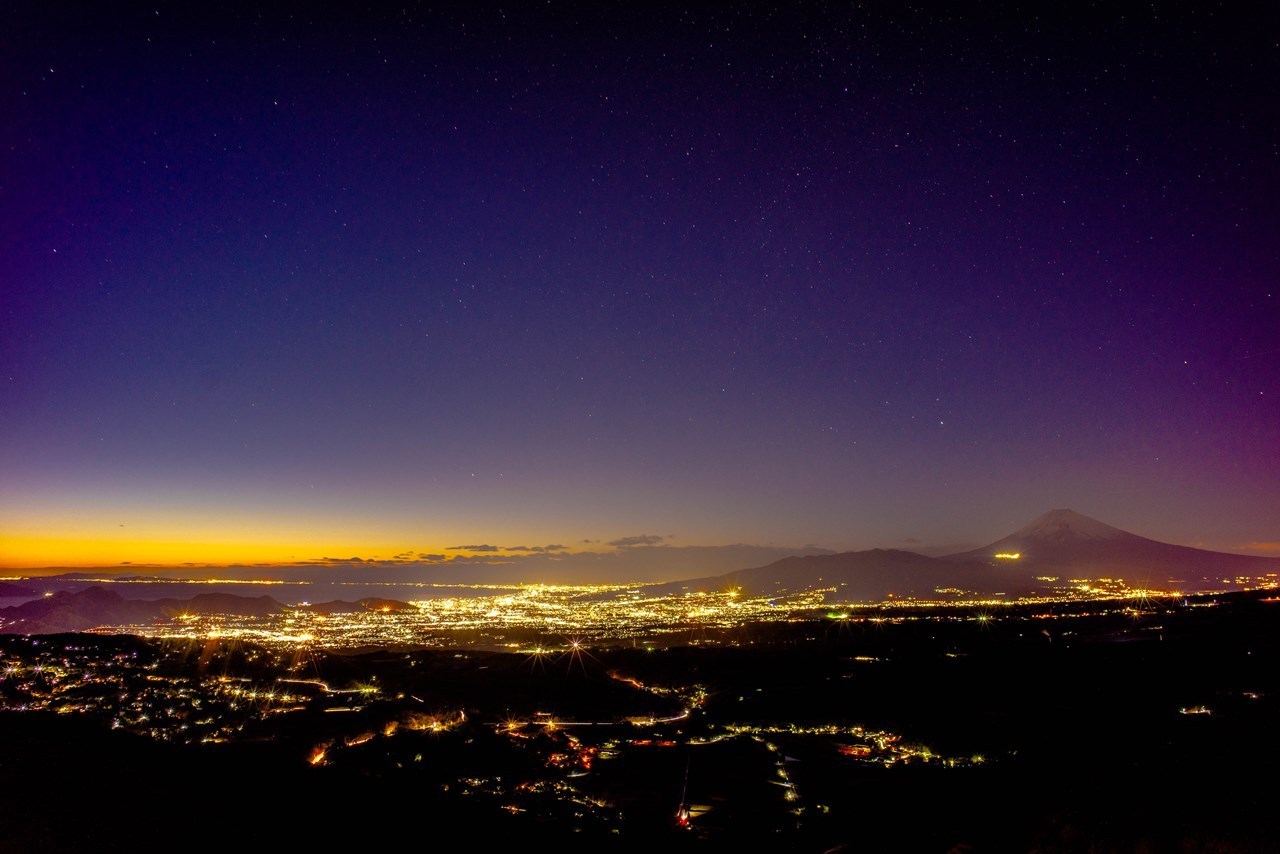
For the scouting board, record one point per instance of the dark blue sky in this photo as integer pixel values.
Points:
(845, 274)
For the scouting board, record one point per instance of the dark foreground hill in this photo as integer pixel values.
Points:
(1051, 730)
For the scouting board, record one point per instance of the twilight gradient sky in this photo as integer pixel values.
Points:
(299, 283)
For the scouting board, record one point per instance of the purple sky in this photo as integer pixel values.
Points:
(845, 275)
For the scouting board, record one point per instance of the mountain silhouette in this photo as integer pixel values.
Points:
(96, 606)
(1070, 544)
(1042, 556)
(872, 575)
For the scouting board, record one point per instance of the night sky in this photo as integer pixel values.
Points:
(284, 284)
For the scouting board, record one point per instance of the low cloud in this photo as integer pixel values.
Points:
(1263, 547)
(639, 540)
(482, 547)
(553, 547)
(481, 560)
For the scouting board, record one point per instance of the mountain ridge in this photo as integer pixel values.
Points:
(1053, 548)
(1057, 553)
(1064, 541)
(67, 611)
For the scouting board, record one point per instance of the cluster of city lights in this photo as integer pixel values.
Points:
(603, 612)
(507, 616)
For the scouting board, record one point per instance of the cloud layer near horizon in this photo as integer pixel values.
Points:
(548, 564)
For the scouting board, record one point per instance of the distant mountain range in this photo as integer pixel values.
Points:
(1047, 554)
(15, 591)
(873, 575)
(1069, 543)
(96, 606)
(1060, 549)
(633, 564)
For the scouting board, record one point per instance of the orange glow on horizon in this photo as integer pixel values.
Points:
(35, 552)
(35, 537)
(55, 552)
